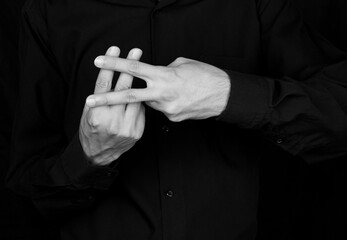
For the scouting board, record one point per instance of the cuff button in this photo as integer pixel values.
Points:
(169, 194)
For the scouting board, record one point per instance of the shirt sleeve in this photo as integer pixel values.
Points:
(48, 165)
(300, 103)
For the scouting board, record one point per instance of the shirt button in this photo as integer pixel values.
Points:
(279, 141)
(165, 128)
(169, 193)
(112, 173)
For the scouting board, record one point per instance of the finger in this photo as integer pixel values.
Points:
(125, 80)
(132, 112)
(135, 68)
(121, 97)
(140, 123)
(136, 124)
(104, 80)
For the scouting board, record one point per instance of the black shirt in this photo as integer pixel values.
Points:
(187, 180)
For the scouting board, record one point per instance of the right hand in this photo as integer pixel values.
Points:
(106, 132)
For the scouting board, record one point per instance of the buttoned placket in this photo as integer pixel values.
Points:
(171, 184)
(171, 191)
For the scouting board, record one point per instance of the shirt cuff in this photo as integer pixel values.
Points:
(247, 105)
(81, 172)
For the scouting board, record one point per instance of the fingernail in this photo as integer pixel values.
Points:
(131, 53)
(135, 52)
(90, 102)
(113, 50)
(99, 61)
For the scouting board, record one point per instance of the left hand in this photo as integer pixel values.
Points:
(185, 89)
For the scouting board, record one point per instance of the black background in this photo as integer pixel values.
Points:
(297, 201)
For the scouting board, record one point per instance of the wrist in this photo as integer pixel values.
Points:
(93, 157)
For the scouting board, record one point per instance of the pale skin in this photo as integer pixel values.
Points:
(106, 132)
(185, 89)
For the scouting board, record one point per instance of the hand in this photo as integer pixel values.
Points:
(185, 89)
(106, 132)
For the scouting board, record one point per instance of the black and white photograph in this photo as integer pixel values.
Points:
(173, 120)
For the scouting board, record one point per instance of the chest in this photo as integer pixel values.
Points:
(225, 34)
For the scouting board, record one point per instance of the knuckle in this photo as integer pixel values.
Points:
(121, 86)
(130, 96)
(115, 128)
(172, 74)
(105, 100)
(173, 118)
(94, 122)
(112, 64)
(132, 134)
(96, 119)
(171, 110)
(180, 59)
(112, 131)
(124, 132)
(137, 136)
(169, 73)
(102, 83)
(169, 95)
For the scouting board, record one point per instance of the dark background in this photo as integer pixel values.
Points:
(297, 201)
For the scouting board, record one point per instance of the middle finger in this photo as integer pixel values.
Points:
(125, 80)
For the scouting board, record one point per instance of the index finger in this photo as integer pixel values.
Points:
(104, 79)
(122, 97)
(133, 67)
